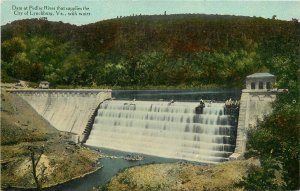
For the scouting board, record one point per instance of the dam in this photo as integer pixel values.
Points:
(168, 129)
(68, 110)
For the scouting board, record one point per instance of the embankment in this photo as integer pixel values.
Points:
(182, 176)
(23, 128)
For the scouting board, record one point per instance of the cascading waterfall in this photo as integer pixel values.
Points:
(166, 129)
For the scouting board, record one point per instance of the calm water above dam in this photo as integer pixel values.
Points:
(178, 95)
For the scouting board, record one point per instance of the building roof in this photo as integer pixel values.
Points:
(261, 75)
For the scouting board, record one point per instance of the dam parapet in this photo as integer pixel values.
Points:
(67, 110)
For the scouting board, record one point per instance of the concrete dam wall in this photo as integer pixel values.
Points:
(66, 110)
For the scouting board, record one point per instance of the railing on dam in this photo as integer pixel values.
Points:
(60, 91)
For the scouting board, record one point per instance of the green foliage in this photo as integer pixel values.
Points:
(40, 60)
(268, 177)
(115, 74)
(4, 76)
(275, 141)
(174, 50)
(77, 69)
(285, 68)
(12, 47)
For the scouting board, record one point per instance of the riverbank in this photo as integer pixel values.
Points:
(23, 129)
(182, 176)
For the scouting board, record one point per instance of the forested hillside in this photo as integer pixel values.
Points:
(189, 49)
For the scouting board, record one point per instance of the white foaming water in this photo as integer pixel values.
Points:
(164, 129)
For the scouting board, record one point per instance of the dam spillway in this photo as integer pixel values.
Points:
(166, 129)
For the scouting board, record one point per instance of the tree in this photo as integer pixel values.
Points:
(116, 74)
(12, 47)
(285, 68)
(33, 151)
(152, 65)
(46, 56)
(267, 177)
(275, 139)
(78, 69)
(21, 66)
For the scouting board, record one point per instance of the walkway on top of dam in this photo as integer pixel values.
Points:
(60, 90)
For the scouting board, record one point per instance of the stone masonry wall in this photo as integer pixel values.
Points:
(254, 105)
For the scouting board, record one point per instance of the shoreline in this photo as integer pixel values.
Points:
(57, 184)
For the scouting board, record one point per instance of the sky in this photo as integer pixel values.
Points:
(90, 11)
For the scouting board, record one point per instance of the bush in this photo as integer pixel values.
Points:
(275, 142)
(6, 78)
(267, 177)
